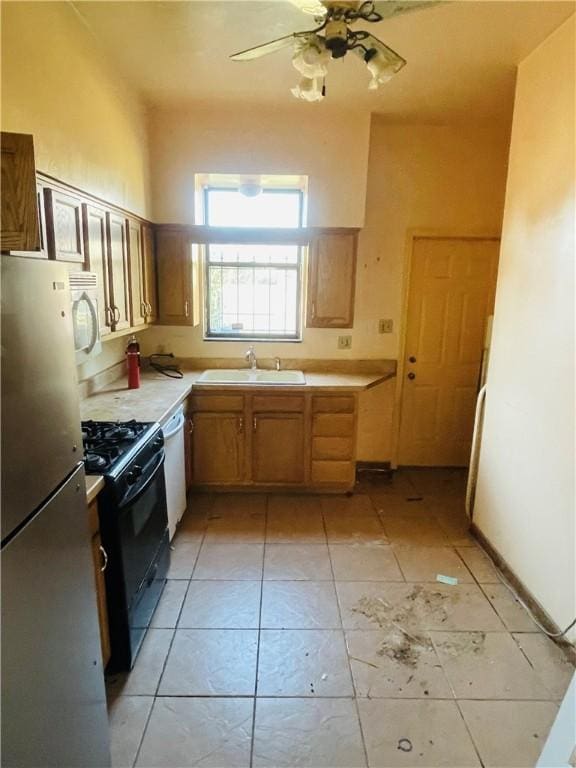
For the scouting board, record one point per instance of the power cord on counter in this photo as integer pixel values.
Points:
(167, 369)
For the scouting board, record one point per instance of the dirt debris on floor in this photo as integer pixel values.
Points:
(420, 603)
(463, 643)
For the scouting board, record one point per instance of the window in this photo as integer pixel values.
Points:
(253, 291)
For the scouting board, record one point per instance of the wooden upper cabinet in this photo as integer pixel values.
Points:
(331, 280)
(138, 306)
(19, 209)
(149, 264)
(97, 261)
(64, 226)
(177, 278)
(118, 270)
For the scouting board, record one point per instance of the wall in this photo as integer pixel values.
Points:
(89, 129)
(449, 179)
(331, 147)
(525, 496)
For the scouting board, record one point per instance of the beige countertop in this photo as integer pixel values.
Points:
(94, 484)
(159, 395)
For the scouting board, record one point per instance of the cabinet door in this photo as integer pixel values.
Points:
(64, 226)
(278, 448)
(97, 261)
(331, 280)
(118, 270)
(138, 308)
(19, 208)
(175, 273)
(149, 262)
(100, 561)
(218, 446)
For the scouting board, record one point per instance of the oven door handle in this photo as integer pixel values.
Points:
(141, 490)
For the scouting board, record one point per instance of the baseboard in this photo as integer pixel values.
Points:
(523, 592)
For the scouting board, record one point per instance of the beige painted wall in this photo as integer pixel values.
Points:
(449, 179)
(330, 146)
(525, 502)
(89, 129)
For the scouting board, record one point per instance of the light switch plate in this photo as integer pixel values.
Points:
(385, 326)
(344, 342)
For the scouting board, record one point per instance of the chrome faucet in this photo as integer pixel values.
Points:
(250, 356)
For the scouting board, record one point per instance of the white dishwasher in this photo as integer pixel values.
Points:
(174, 469)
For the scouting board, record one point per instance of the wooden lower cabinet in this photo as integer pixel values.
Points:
(100, 560)
(218, 448)
(278, 448)
(289, 440)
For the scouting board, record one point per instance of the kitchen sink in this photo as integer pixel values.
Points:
(248, 376)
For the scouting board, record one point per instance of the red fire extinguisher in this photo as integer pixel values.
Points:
(133, 360)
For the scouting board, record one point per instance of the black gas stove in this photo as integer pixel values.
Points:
(133, 526)
(109, 443)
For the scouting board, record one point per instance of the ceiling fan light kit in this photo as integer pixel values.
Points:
(313, 51)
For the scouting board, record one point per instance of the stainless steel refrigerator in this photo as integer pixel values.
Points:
(53, 697)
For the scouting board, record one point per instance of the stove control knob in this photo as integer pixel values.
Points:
(134, 474)
(158, 443)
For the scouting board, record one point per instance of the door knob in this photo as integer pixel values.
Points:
(411, 375)
(411, 359)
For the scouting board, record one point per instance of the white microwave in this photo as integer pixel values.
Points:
(85, 315)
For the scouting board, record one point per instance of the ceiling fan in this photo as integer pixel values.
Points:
(333, 38)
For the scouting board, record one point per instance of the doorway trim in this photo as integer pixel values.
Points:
(413, 234)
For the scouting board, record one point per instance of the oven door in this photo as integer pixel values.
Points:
(142, 524)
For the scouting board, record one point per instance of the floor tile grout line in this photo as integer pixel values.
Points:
(170, 645)
(266, 504)
(355, 697)
(469, 732)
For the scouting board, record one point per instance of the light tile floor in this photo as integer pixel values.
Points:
(310, 631)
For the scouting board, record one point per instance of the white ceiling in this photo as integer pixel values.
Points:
(461, 54)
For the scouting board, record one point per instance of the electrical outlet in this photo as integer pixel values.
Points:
(344, 342)
(385, 326)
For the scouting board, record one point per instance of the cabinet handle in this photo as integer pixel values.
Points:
(109, 316)
(254, 423)
(116, 319)
(241, 424)
(143, 308)
(186, 308)
(149, 308)
(313, 309)
(191, 426)
(105, 557)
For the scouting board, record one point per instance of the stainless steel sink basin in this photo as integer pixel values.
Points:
(247, 376)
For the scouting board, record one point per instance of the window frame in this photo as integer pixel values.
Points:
(298, 268)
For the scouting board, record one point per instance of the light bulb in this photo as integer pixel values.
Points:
(382, 68)
(309, 89)
(311, 57)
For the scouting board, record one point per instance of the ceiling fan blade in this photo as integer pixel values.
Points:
(265, 49)
(389, 8)
(312, 7)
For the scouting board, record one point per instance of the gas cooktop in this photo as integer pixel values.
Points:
(108, 442)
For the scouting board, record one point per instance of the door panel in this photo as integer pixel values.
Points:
(118, 266)
(278, 448)
(139, 311)
(218, 446)
(452, 286)
(97, 260)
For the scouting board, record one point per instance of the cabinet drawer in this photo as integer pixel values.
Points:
(218, 403)
(333, 425)
(333, 472)
(333, 404)
(277, 403)
(332, 448)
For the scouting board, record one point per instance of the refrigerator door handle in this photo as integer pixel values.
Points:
(104, 557)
